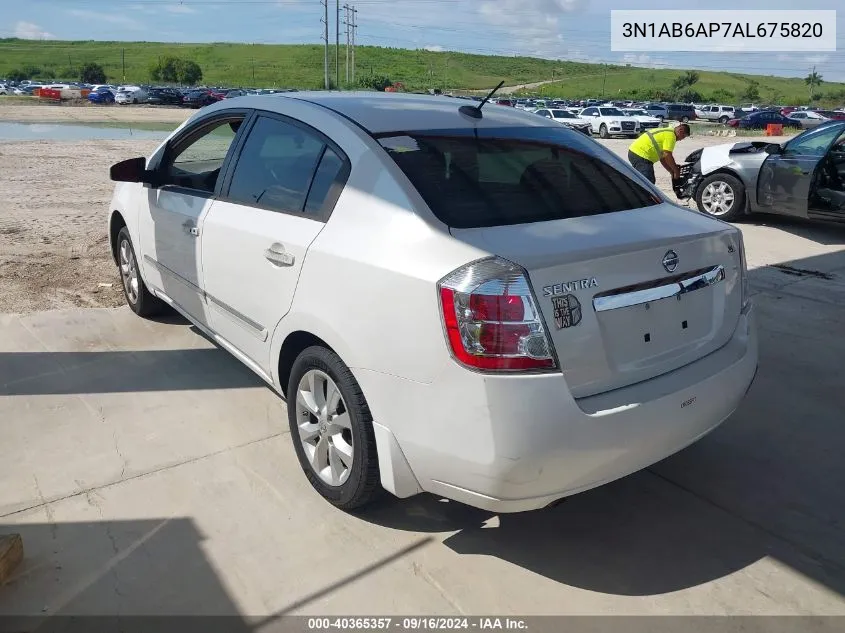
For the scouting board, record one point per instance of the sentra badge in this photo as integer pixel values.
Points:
(569, 286)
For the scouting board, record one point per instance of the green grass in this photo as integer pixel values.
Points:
(629, 82)
(301, 66)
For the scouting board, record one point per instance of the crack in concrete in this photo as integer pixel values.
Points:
(51, 519)
(44, 502)
(119, 454)
(422, 573)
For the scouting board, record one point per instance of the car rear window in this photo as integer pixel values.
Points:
(495, 177)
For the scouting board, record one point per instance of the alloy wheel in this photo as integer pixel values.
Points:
(717, 198)
(129, 271)
(325, 429)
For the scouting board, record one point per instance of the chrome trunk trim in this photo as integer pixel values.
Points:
(623, 299)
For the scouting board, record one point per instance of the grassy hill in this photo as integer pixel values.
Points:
(301, 66)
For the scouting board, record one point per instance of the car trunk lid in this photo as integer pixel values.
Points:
(626, 296)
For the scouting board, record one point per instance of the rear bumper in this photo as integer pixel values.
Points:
(516, 443)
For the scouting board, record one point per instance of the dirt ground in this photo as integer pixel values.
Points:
(53, 234)
(55, 194)
(37, 112)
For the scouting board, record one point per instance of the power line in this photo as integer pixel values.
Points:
(337, 45)
(354, 27)
(325, 21)
(348, 24)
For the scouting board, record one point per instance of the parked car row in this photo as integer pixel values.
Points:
(661, 111)
(797, 119)
(605, 121)
(153, 95)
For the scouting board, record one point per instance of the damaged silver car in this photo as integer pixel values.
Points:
(803, 177)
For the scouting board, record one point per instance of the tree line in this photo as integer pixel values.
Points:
(683, 90)
(166, 70)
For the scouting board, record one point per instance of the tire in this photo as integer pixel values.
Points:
(139, 299)
(723, 119)
(134, 102)
(684, 119)
(723, 184)
(661, 117)
(603, 131)
(358, 484)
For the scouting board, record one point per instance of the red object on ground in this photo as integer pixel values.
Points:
(49, 93)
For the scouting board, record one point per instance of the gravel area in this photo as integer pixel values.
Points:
(89, 113)
(53, 240)
(53, 228)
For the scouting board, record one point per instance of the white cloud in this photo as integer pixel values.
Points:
(30, 31)
(435, 48)
(111, 18)
(179, 8)
(644, 60)
(577, 55)
(817, 59)
(535, 24)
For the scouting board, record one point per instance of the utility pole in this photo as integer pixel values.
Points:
(604, 81)
(354, 26)
(337, 44)
(123, 62)
(812, 81)
(348, 24)
(325, 22)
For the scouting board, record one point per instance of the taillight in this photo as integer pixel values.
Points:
(491, 318)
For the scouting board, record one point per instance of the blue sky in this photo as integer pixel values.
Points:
(558, 29)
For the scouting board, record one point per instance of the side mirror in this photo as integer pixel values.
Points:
(132, 170)
(774, 148)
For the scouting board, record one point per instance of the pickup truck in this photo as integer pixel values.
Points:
(720, 113)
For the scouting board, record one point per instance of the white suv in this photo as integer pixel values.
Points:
(479, 304)
(607, 121)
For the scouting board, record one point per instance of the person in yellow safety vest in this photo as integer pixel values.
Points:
(657, 145)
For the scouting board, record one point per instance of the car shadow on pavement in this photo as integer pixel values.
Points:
(821, 232)
(770, 482)
(61, 373)
(111, 568)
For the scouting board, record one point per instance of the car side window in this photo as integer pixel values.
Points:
(196, 161)
(813, 144)
(328, 174)
(276, 166)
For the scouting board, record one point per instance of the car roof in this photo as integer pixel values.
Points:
(379, 112)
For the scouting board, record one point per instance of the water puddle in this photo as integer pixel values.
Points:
(10, 131)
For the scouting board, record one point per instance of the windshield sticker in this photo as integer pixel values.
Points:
(400, 144)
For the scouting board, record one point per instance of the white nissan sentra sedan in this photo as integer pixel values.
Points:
(494, 309)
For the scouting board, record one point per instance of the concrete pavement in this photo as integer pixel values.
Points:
(150, 472)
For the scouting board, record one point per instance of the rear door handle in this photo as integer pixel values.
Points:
(278, 256)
